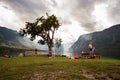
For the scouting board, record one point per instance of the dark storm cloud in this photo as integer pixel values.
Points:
(27, 9)
(79, 10)
(82, 11)
(114, 11)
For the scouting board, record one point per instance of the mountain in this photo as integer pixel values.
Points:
(11, 38)
(106, 42)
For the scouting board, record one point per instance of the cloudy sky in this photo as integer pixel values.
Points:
(77, 16)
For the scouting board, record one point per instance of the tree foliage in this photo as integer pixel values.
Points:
(44, 27)
(58, 42)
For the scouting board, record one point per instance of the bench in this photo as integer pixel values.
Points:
(86, 55)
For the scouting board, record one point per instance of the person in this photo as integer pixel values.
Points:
(93, 49)
(6, 56)
(76, 56)
(35, 50)
(83, 53)
(90, 46)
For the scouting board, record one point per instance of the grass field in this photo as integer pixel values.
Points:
(58, 68)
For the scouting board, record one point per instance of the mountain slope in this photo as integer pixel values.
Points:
(106, 42)
(10, 38)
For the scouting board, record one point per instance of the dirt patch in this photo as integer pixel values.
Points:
(102, 76)
(36, 76)
(88, 75)
(115, 67)
(48, 76)
(114, 76)
(1, 78)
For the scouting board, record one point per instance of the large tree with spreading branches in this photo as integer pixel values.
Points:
(44, 28)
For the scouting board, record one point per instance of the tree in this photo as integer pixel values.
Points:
(58, 42)
(44, 28)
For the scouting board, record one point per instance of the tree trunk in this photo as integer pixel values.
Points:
(51, 50)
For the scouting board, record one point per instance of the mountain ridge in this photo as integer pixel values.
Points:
(10, 38)
(106, 42)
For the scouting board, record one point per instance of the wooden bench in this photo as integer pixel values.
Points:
(86, 55)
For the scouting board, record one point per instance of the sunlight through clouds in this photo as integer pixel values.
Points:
(101, 16)
(71, 32)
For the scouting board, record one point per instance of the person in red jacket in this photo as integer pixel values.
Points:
(76, 56)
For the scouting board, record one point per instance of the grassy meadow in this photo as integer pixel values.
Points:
(58, 68)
